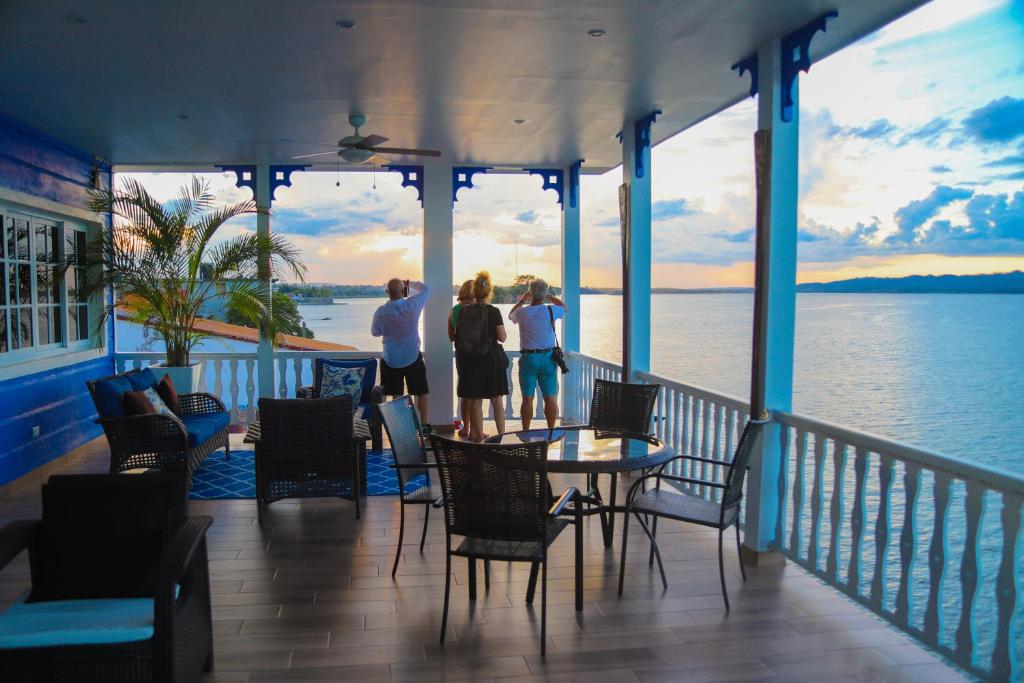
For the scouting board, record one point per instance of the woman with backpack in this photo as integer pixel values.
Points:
(480, 359)
(465, 296)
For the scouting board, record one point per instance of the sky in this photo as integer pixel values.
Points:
(911, 162)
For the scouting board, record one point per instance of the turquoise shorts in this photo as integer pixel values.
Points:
(534, 368)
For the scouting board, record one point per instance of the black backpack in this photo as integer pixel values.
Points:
(472, 333)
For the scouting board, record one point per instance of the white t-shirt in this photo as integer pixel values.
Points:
(535, 325)
(398, 322)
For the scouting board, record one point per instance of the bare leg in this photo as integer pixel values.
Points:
(421, 407)
(498, 408)
(476, 419)
(526, 411)
(464, 411)
(551, 410)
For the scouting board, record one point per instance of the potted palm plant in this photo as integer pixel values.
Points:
(167, 263)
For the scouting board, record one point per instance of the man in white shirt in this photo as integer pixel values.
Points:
(398, 323)
(537, 343)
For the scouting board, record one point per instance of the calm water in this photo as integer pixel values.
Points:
(940, 371)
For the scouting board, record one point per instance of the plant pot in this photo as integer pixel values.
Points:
(186, 379)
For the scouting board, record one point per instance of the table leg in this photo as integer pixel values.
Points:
(609, 528)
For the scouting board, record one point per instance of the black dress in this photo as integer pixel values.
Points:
(484, 376)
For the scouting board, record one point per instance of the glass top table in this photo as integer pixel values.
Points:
(586, 450)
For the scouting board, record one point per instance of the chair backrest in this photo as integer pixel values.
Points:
(102, 534)
(405, 435)
(737, 473)
(492, 491)
(369, 366)
(293, 428)
(618, 406)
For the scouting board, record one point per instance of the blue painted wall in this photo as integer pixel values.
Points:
(56, 400)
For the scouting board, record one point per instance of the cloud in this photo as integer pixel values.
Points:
(336, 221)
(529, 216)
(911, 217)
(927, 133)
(740, 237)
(1012, 160)
(875, 130)
(1000, 120)
(610, 222)
(667, 209)
(941, 168)
(1017, 175)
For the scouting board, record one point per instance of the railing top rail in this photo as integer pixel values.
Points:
(1000, 480)
(595, 361)
(719, 398)
(198, 355)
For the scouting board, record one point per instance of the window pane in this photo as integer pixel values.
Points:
(12, 283)
(3, 238)
(22, 229)
(44, 285)
(9, 237)
(3, 285)
(24, 284)
(25, 327)
(3, 331)
(73, 323)
(43, 322)
(83, 322)
(57, 322)
(80, 250)
(41, 239)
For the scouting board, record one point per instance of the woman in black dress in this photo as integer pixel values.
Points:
(480, 358)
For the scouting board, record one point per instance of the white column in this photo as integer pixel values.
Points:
(775, 292)
(265, 352)
(570, 283)
(437, 273)
(636, 278)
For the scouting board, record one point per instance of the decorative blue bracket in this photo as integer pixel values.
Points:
(412, 176)
(642, 140)
(281, 176)
(796, 57)
(554, 179)
(748, 65)
(245, 176)
(462, 176)
(574, 183)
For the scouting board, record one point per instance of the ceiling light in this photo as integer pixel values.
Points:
(345, 23)
(77, 19)
(596, 32)
(519, 122)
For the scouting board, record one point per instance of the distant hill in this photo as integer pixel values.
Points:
(991, 283)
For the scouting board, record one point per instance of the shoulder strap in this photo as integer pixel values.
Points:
(551, 315)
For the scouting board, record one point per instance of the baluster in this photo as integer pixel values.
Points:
(250, 390)
(878, 582)
(233, 388)
(783, 486)
(704, 442)
(836, 510)
(970, 572)
(282, 376)
(659, 427)
(218, 381)
(1004, 661)
(860, 471)
(677, 409)
(817, 498)
(118, 364)
(297, 372)
(908, 544)
(796, 533)
(937, 560)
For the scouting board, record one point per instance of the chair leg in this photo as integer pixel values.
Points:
(447, 588)
(654, 545)
(611, 510)
(426, 519)
(487, 576)
(401, 535)
(472, 579)
(622, 562)
(208, 664)
(579, 563)
(739, 554)
(544, 607)
(721, 569)
(654, 534)
(531, 587)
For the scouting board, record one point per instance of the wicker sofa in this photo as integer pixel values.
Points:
(166, 442)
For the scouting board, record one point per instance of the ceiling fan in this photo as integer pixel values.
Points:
(359, 149)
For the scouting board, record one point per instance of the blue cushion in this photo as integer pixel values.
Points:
(76, 622)
(201, 428)
(369, 376)
(110, 396)
(142, 380)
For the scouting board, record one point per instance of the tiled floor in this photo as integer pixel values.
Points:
(309, 597)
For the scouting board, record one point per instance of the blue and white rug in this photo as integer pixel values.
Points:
(220, 478)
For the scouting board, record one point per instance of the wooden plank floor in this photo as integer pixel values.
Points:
(310, 597)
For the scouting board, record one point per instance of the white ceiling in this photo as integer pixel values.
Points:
(450, 75)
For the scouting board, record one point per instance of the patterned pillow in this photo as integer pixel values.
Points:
(338, 382)
(159, 407)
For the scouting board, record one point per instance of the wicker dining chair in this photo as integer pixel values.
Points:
(496, 497)
(686, 506)
(306, 450)
(405, 434)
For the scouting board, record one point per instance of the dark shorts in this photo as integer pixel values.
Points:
(395, 380)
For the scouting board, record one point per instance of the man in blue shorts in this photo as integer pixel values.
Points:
(535, 314)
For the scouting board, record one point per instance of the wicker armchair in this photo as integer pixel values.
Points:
(164, 442)
(120, 584)
(306, 450)
(405, 435)
(685, 506)
(497, 499)
(618, 407)
(371, 397)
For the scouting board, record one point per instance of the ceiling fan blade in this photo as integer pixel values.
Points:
(378, 160)
(306, 142)
(318, 154)
(371, 141)
(408, 152)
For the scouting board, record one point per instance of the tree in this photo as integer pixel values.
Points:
(289, 319)
(164, 263)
